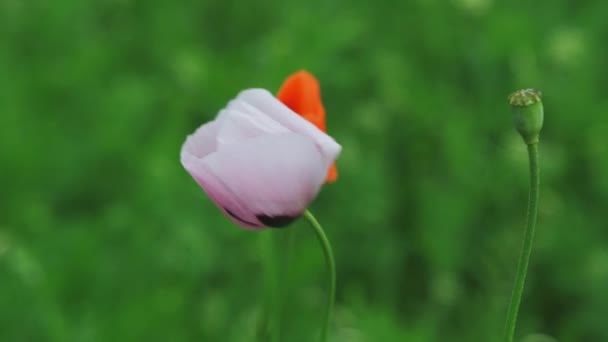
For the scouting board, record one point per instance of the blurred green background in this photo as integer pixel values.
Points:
(104, 236)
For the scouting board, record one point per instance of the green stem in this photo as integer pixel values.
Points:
(287, 271)
(524, 258)
(331, 267)
(269, 326)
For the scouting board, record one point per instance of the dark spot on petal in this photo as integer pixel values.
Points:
(240, 219)
(276, 221)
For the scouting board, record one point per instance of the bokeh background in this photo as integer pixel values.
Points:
(104, 237)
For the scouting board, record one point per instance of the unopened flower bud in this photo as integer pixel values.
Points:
(527, 108)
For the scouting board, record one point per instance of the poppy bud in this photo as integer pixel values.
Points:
(527, 109)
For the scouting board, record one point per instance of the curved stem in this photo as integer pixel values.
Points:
(524, 258)
(331, 268)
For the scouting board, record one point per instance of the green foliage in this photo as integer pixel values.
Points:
(104, 237)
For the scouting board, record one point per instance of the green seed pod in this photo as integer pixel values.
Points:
(527, 108)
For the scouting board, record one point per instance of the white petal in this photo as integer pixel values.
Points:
(202, 142)
(271, 106)
(241, 121)
(273, 175)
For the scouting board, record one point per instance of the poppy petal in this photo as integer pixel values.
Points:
(203, 141)
(265, 102)
(219, 193)
(271, 175)
(243, 121)
(302, 94)
(332, 173)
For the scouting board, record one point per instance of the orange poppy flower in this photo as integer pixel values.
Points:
(302, 94)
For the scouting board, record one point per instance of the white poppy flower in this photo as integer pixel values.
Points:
(259, 161)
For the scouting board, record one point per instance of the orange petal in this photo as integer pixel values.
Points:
(302, 94)
(332, 173)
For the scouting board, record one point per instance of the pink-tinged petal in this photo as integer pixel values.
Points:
(271, 175)
(223, 197)
(271, 106)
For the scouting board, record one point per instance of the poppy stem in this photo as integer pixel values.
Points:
(269, 326)
(524, 259)
(331, 268)
(286, 271)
